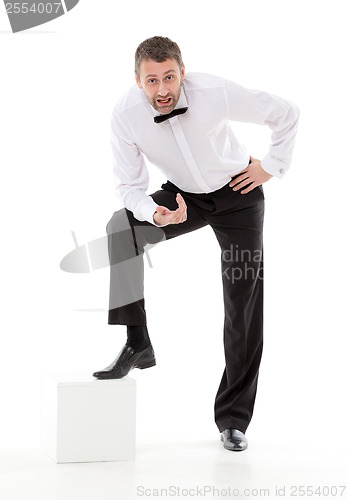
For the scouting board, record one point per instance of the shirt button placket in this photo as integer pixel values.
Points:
(187, 154)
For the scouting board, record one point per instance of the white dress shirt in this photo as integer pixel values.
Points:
(197, 150)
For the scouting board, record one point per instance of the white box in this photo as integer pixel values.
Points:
(84, 419)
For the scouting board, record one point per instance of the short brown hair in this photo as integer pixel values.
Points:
(158, 49)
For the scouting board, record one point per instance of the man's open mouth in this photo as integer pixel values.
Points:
(164, 101)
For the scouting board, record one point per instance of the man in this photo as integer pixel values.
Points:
(181, 124)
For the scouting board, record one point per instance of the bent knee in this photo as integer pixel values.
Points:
(118, 222)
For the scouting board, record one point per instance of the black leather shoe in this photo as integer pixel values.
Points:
(234, 440)
(126, 360)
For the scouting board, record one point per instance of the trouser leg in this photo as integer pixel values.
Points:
(126, 302)
(240, 237)
(127, 238)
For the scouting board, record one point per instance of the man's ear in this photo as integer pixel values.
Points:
(183, 70)
(138, 81)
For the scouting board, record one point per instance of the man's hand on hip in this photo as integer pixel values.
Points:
(254, 174)
(163, 216)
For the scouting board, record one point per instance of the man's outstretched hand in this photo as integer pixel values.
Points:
(163, 216)
(253, 173)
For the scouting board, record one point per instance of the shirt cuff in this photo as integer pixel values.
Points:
(148, 209)
(274, 166)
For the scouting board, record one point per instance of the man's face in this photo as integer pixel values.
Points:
(161, 83)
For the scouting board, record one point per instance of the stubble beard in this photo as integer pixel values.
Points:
(167, 109)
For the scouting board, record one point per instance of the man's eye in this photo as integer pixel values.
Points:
(151, 81)
(170, 77)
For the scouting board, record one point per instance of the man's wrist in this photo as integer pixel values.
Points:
(155, 222)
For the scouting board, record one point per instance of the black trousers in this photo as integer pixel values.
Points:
(237, 221)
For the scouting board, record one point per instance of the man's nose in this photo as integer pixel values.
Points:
(162, 89)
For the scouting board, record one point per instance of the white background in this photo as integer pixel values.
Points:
(58, 85)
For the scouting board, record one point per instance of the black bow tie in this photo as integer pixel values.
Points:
(174, 112)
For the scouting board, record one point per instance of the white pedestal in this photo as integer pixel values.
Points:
(87, 420)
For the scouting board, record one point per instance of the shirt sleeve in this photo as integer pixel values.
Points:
(130, 172)
(263, 108)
